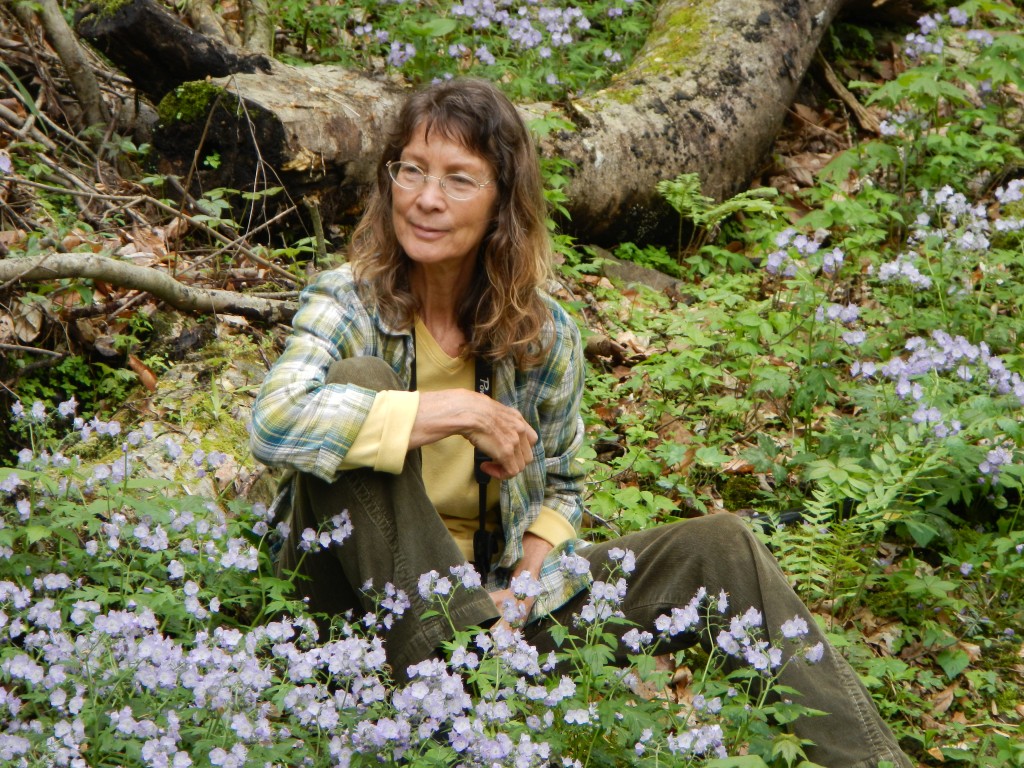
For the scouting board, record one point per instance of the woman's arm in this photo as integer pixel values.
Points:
(535, 549)
(561, 426)
(298, 421)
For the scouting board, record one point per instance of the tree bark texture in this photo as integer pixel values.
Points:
(707, 94)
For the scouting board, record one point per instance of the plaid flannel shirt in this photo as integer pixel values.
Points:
(300, 423)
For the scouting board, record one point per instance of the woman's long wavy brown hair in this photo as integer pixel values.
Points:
(503, 314)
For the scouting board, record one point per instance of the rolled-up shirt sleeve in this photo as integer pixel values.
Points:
(552, 527)
(383, 441)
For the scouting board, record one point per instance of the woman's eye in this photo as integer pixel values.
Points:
(459, 183)
(410, 173)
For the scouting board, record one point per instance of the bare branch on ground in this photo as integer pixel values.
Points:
(53, 266)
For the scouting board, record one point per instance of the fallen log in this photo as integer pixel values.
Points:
(155, 49)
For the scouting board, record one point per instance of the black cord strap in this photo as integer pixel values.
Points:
(485, 542)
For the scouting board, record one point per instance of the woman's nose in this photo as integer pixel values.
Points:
(430, 193)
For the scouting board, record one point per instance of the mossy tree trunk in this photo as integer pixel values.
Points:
(707, 94)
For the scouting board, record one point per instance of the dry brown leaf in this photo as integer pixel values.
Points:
(936, 753)
(88, 330)
(229, 325)
(174, 231)
(9, 237)
(144, 372)
(6, 330)
(631, 341)
(141, 258)
(225, 474)
(71, 241)
(682, 679)
(105, 345)
(646, 689)
(28, 321)
(737, 466)
(868, 621)
(885, 637)
(943, 700)
(973, 651)
(147, 239)
(807, 114)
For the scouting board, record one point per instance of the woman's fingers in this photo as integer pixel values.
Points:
(506, 439)
(497, 431)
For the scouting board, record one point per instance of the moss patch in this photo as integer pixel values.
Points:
(102, 9)
(739, 492)
(189, 102)
(673, 41)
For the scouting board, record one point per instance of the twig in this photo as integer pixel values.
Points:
(21, 128)
(46, 362)
(26, 223)
(238, 241)
(15, 278)
(70, 52)
(866, 119)
(34, 109)
(107, 308)
(30, 350)
(318, 228)
(135, 200)
(278, 295)
(259, 26)
(261, 164)
(248, 253)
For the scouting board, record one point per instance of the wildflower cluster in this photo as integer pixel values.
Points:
(929, 41)
(549, 48)
(144, 628)
(795, 250)
(951, 237)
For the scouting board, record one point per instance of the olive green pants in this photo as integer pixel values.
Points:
(397, 536)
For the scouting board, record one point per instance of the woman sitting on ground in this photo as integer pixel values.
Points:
(434, 359)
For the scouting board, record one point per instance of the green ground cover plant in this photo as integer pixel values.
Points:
(540, 50)
(861, 363)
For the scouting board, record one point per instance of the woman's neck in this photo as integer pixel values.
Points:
(439, 293)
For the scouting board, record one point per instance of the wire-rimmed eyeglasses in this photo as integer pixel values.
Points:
(458, 186)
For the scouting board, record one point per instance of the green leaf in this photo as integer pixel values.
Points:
(34, 533)
(787, 746)
(438, 27)
(739, 761)
(711, 456)
(953, 661)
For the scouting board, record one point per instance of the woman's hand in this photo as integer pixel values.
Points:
(535, 549)
(499, 432)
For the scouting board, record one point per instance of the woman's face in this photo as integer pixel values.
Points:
(433, 229)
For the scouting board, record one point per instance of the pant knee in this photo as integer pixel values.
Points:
(718, 534)
(366, 372)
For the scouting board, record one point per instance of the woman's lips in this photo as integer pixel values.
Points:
(427, 233)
